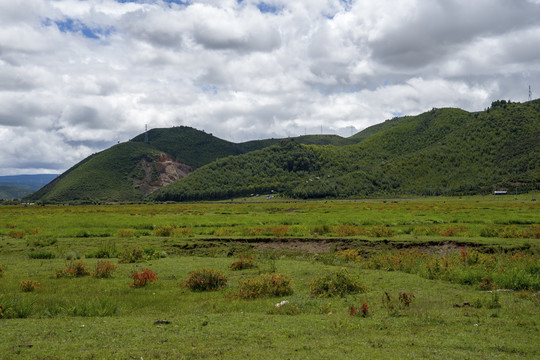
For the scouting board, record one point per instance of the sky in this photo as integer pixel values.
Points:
(77, 77)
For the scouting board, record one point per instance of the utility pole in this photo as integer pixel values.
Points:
(146, 133)
(530, 93)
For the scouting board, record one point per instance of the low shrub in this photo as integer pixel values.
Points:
(44, 255)
(86, 234)
(73, 269)
(73, 255)
(380, 231)
(486, 284)
(42, 241)
(152, 253)
(166, 230)
(349, 255)
(29, 285)
(279, 231)
(349, 230)
(125, 233)
(321, 230)
(107, 250)
(104, 269)
(143, 278)
(206, 280)
(265, 285)
(339, 283)
(243, 263)
(132, 254)
(224, 231)
(17, 234)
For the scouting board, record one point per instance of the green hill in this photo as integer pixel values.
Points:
(132, 170)
(13, 192)
(105, 176)
(443, 151)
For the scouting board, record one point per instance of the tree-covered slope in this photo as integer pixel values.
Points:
(447, 151)
(189, 146)
(105, 176)
(129, 171)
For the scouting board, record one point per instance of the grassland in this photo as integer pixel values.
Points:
(389, 246)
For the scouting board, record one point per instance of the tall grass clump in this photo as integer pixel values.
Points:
(243, 263)
(15, 307)
(107, 250)
(267, 285)
(92, 308)
(340, 283)
(469, 267)
(43, 255)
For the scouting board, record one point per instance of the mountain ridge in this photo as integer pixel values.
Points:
(441, 151)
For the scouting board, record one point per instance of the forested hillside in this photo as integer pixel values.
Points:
(132, 170)
(443, 151)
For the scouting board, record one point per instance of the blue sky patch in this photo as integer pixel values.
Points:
(209, 89)
(267, 8)
(347, 4)
(76, 26)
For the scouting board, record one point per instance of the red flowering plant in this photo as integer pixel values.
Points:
(363, 310)
(206, 280)
(73, 269)
(405, 299)
(29, 285)
(143, 278)
(104, 269)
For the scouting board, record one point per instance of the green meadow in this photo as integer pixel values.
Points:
(452, 278)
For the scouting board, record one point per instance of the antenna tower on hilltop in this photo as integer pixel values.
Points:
(146, 133)
(530, 93)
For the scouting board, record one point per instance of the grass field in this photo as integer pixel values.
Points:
(472, 265)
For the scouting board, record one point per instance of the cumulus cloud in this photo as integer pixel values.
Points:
(79, 76)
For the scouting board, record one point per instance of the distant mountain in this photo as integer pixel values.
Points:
(442, 151)
(18, 186)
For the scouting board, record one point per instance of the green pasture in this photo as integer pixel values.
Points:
(450, 317)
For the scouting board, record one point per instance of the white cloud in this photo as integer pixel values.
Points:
(78, 76)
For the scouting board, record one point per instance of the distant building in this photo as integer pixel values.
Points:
(500, 192)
